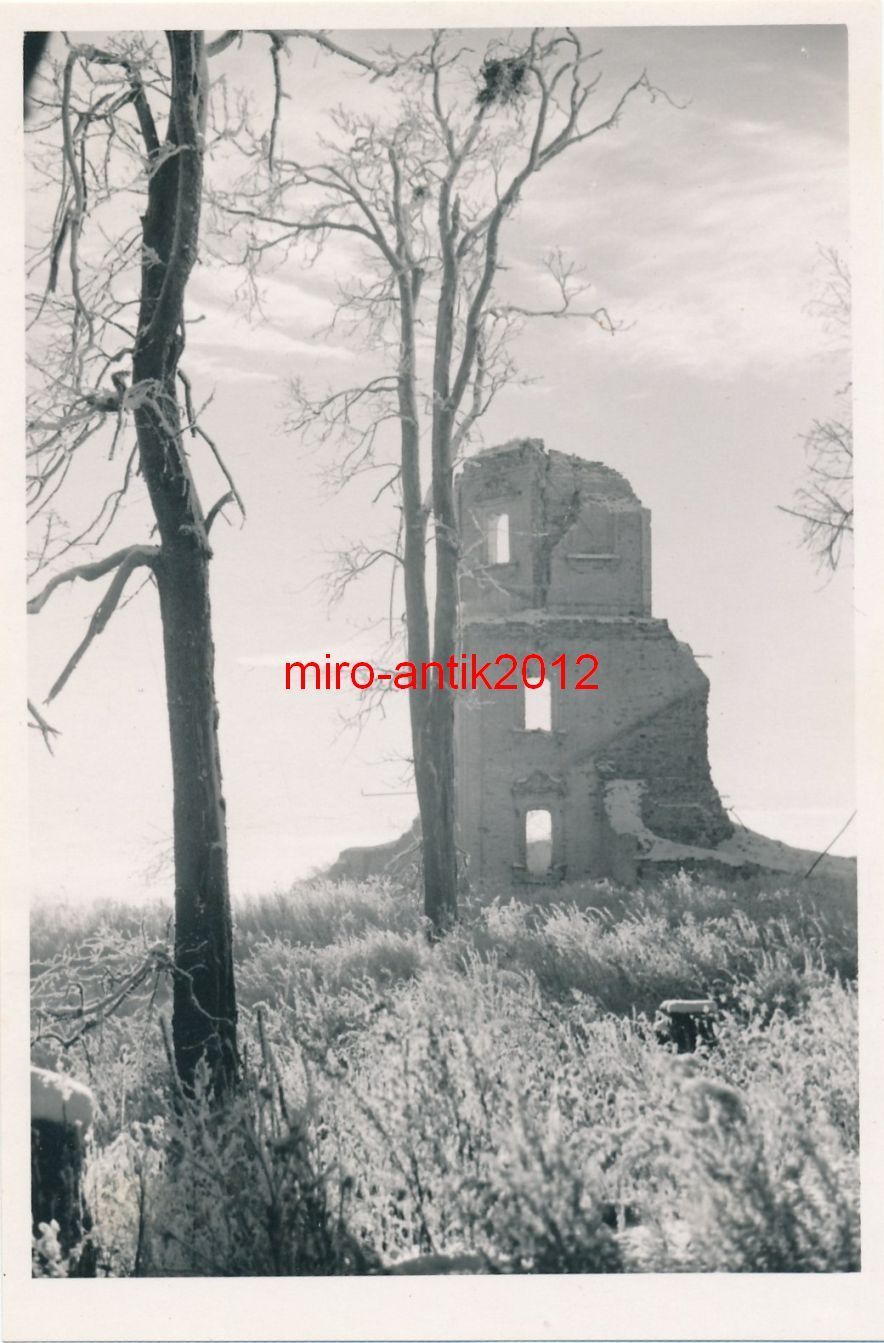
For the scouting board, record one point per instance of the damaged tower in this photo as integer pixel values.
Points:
(559, 784)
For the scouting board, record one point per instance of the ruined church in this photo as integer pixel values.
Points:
(558, 784)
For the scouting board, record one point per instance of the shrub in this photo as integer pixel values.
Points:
(236, 1191)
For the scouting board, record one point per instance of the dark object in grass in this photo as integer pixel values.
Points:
(686, 1023)
(620, 1216)
(61, 1113)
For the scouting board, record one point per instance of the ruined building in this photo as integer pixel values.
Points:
(562, 784)
(566, 783)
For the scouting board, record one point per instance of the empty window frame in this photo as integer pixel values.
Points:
(538, 707)
(497, 538)
(538, 842)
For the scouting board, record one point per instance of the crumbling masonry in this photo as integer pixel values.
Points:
(568, 784)
(557, 560)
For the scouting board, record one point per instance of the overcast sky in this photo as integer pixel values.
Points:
(700, 228)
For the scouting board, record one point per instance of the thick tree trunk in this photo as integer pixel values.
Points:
(204, 1004)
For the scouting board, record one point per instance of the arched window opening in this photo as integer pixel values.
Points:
(538, 708)
(497, 538)
(538, 842)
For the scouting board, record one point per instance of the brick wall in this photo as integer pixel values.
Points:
(578, 581)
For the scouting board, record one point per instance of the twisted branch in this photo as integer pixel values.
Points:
(97, 569)
(132, 559)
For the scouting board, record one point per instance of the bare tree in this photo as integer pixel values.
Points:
(427, 188)
(107, 335)
(824, 504)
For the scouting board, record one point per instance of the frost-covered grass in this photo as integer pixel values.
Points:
(499, 1094)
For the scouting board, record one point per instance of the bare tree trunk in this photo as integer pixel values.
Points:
(436, 786)
(431, 711)
(440, 840)
(440, 846)
(204, 1011)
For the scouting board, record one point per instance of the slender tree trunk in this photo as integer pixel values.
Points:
(204, 1005)
(440, 839)
(436, 786)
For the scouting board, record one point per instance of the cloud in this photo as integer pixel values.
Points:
(701, 226)
(725, 292)
(339, 650)
(698, 226)
(227, 344)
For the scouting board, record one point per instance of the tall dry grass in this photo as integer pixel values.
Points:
(499, 1094)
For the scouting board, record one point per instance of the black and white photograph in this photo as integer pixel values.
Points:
(438, 699)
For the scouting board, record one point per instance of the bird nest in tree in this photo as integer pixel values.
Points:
(504, 80)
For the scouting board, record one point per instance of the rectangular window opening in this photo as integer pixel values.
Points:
(538, 708)
(497, 538)
(538, 842)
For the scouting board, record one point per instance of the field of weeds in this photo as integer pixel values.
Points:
(499, 1098)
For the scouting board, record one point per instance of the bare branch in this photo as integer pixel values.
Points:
(223, 42)
(196, 429)
(42, 726)
(52, 1009)
(378, 69)
(217, 507)
(564, 274)
(131, 555)
(138, 556)
(77, 210)
(224, 469)
(352, 563)
(89, 54)
(295, 227)
(276, 45)
(824, 504)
